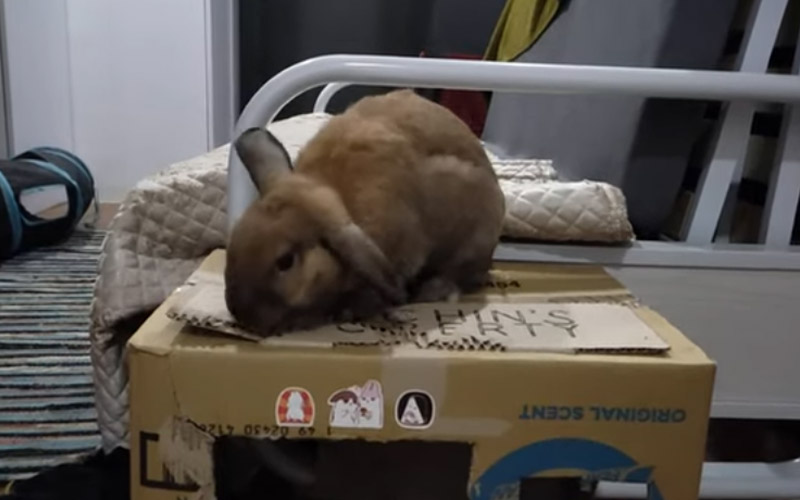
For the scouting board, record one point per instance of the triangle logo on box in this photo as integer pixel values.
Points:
(415, 409)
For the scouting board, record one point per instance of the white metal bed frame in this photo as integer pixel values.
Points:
(699, 250)
(720, 480)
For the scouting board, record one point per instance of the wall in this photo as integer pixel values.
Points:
(37, 74)
(309, 28)
(125, 85)
(640, 145)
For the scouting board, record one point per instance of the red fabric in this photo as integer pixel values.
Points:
(469, 105)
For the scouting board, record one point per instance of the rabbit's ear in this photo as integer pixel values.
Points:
(346, 240)
(263, 156)
(352, 245)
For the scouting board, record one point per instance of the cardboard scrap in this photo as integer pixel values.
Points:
(532, 327)
(465, 326)
(201, 303)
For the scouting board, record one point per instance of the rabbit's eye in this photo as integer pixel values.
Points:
(285, 261)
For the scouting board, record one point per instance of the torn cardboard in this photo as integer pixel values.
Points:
(185, 451)
(524, 412)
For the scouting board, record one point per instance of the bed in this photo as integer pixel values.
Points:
(169, 222)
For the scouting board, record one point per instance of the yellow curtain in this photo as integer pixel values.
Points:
(521, 23)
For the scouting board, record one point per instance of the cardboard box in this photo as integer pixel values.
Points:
(418, 416)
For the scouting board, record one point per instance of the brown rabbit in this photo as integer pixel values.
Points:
(393, 200)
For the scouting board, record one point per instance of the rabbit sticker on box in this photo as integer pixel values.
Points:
(357, 407)
(393, 201)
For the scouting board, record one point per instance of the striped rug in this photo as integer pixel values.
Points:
(47, 413)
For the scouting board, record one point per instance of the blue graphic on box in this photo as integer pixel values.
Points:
(599, 460)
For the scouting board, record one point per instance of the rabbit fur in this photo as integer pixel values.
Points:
(392, 201)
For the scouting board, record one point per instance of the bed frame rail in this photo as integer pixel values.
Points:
(338, 71)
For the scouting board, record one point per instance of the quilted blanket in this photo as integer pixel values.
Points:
(169, 222)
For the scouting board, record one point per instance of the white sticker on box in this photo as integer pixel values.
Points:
(357, 407)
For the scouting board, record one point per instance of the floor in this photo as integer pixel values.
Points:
(106, 212)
